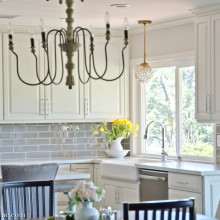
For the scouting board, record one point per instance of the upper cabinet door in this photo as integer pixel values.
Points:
(1, 82)
(106, 100)
(203, 69)
(61, 102)
(22, 102)
(215, 65)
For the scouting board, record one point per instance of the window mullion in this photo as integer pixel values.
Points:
(179, 118)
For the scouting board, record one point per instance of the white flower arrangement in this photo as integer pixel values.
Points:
(85, 191)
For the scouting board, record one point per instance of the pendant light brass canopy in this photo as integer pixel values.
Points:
(144, 72)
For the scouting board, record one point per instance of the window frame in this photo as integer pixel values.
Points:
(180, 60)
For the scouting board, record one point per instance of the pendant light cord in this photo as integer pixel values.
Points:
(144, 42)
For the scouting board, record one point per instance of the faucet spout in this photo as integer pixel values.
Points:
(163, 153)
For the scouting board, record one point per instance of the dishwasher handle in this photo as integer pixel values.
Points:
(147, 177)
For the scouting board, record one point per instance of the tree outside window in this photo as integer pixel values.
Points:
(162, 96)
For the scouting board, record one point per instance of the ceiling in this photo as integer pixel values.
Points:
(91, 12)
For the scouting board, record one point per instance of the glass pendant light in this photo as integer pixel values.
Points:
(144, 73)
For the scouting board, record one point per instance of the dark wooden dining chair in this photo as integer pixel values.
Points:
(161, 210)
(31, 199)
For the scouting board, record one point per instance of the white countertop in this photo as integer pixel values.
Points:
(183, 167)
(50, 160)
(153, 164)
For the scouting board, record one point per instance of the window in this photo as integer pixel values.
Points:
(170, 100)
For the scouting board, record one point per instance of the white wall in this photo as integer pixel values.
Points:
(171, 40)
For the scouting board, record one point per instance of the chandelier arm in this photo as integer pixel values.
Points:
(29, 84)
(78, 61)
(106, 63)
(84, 47)
(48, 60)
(123, 67)
(75, 33)
(55, 58)
(63, 31)
(48, 63)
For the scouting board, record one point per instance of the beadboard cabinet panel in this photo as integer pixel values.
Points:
(106, 100)
(22, 102)
(62, 102)
(1, 82)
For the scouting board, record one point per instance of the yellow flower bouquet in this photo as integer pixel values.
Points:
(119, 128)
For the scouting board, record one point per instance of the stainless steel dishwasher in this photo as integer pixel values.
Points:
(153, 185)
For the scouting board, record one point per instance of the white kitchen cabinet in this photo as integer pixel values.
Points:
(61, 102)
(83, 168)
(181, 194)
(118, 192)
(212, 196)
(107, 100)
(1, 82)
(97, 100)
(24, 102)
(183, 186)
(207, 43)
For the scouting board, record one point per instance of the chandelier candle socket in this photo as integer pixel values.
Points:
(144, 72)
(68, 40)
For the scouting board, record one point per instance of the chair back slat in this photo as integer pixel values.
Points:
(43, 200)
(170, 214)
(37, 201)
(31, 203)
(164, 208)
(145, 215)
(162, 215)
(184, 213)
(25, 201)
(154, 214)
(33, 199)
(177, 210)
(51, 204)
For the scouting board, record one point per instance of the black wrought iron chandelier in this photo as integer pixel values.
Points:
(69, 43)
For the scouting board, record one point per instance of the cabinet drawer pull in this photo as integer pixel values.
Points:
(183, 183)
(146, 177)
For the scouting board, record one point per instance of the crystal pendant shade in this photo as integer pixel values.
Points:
(144, 74)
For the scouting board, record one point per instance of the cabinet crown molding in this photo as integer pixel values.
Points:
(206, 10)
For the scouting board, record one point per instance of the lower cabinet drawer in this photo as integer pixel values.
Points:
(185, 182)
(179, 194)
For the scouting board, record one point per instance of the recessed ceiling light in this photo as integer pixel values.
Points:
(121, 5)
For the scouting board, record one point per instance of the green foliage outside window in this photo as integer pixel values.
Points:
(161, 106)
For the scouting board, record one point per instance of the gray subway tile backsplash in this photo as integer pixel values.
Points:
(36, 141)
